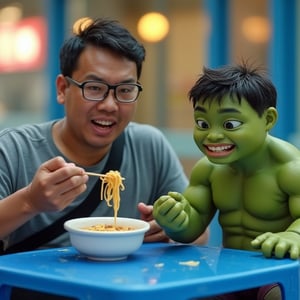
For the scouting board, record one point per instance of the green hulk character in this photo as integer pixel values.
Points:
(249, 176)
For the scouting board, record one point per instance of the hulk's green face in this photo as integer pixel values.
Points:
(229, 131)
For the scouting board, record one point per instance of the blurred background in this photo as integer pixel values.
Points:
(180, 38)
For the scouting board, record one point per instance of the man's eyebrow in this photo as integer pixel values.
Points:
(93, 77)
(96, 78)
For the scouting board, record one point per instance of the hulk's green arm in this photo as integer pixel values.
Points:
(289, 179)
(287, 242)
(184, 217)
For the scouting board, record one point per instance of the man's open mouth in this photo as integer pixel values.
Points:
(102, 123)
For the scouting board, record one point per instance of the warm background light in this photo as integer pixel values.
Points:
(27, 44)
(256, 29)
(153, 27)
(23, 44)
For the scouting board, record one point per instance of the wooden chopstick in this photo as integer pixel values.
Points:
(94, 174)
(98, 175)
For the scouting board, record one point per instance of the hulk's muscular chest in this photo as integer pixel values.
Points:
(248, 206)
(258, 195)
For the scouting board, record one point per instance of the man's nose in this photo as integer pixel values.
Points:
(110, 102)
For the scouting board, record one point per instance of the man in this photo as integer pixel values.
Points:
(42, 166)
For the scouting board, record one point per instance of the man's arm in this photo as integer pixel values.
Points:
(55, 185)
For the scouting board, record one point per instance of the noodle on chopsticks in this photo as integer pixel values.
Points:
(112, 183)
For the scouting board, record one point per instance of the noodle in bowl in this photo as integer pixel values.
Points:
(106, 245)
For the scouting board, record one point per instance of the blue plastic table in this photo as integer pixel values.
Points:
(155, 271)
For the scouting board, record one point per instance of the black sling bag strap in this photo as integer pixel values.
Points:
(84, 209)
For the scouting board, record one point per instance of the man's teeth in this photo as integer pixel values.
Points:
(219, 148)
(103, 123)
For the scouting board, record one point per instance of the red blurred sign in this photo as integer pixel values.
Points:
(23, 45)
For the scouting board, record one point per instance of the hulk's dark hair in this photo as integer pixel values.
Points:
(104, 33)
(240, 81)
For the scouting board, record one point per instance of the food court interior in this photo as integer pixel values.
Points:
(180, 38)
(186, 36)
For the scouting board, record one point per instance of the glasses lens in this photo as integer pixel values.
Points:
(95, 90)
(127, 92)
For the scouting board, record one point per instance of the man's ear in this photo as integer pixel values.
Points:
(61, 85)
(271, 116)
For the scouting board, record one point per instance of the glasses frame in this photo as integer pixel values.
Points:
(110, 87)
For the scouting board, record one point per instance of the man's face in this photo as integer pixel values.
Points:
(227, 132)
(96, 124)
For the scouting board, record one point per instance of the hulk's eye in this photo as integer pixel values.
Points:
(232, 124)
(202, 124)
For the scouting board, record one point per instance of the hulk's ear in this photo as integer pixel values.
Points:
(271, 116)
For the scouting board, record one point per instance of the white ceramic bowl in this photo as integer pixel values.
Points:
(109, 245)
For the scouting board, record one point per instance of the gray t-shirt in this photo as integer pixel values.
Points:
(149, 165)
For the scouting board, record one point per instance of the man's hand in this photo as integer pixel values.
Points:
(169, 212)
(278, 244)
(155, 233)
(55, 185)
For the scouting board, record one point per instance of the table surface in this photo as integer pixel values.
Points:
(182, 269)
